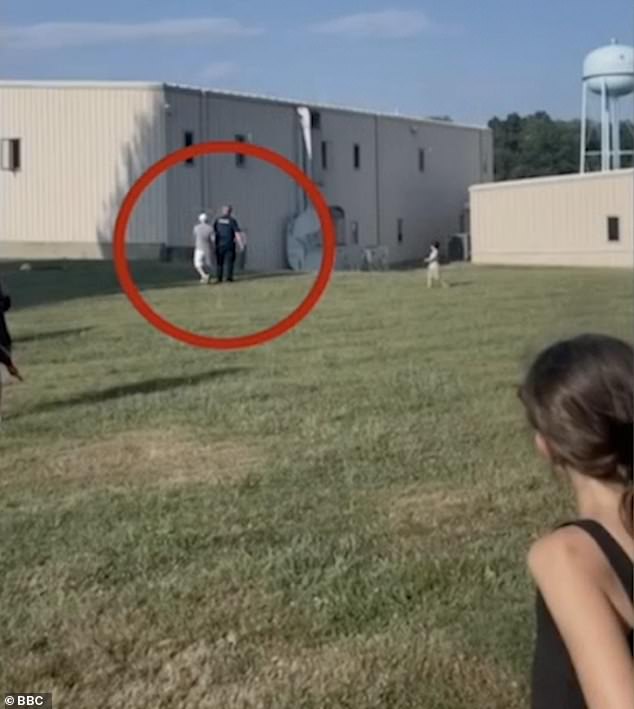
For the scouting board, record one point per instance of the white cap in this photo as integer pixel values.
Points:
(202, 217)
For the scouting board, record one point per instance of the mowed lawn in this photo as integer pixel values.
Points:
(338, 519)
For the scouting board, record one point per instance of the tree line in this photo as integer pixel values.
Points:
(538, 145)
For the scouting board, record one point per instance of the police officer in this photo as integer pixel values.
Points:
(227, 236)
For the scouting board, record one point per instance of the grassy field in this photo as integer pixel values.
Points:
(338, 519)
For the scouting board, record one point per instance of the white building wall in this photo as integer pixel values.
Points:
(82, 149)
(557, 221)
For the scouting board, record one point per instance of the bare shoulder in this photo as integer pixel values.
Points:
(567, 553)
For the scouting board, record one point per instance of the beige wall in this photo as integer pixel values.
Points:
(82, 149)
(560, 221)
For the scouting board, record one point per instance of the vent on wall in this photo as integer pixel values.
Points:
(11, 149)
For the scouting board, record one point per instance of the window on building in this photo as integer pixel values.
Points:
(399, 228)
(315, 120)
(12, 154)
(357, 156)
(188, 142)
(614, 229)
(324, 155)
(421, 159)
(241, 159)
(354, 228)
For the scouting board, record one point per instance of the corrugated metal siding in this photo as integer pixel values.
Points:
(560, 221)
(186, 198)
(84, 146)
(353, 190)
(82, 149)
(430, 203)
(263, 197)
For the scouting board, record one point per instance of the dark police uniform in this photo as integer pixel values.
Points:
(225, 229)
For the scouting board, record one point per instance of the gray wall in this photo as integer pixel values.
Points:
(430, 202)
(353, 190)
(262, 196)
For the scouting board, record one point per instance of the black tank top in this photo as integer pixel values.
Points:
(554, 681)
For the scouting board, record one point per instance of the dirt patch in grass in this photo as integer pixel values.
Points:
(163, 457)
(397, 670)
(456, 515)
(404, 668)
(415, 512)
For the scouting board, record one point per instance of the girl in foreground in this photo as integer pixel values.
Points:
(578, 397)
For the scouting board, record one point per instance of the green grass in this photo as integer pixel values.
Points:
(338, 519)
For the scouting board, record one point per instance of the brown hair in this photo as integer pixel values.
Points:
(579, 395)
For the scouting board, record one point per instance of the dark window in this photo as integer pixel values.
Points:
(189, 141)
(324, 155)
(421, 159)
(357, 156)
(613, 229)
(315, 120)
(355, 232)
(12, 154)
(240, 158)
(400, 231)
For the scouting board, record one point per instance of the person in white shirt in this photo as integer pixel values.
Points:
(433, 266)
(203, 237)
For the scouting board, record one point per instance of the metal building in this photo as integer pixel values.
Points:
(569, 220)
(72, 150)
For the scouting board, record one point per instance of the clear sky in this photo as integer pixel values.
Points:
(470, 59)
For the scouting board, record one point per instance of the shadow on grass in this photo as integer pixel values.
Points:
(52, 335)
(50, 283)
(149, 386)
(246, 276)
(460, 284)
(58, 282)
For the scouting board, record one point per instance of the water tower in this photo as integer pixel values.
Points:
(608, 73)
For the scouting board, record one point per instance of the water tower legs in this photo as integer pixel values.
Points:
(584, 127)
(605, 128)
(616, 136)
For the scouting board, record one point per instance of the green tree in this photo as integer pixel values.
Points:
(534, 145)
